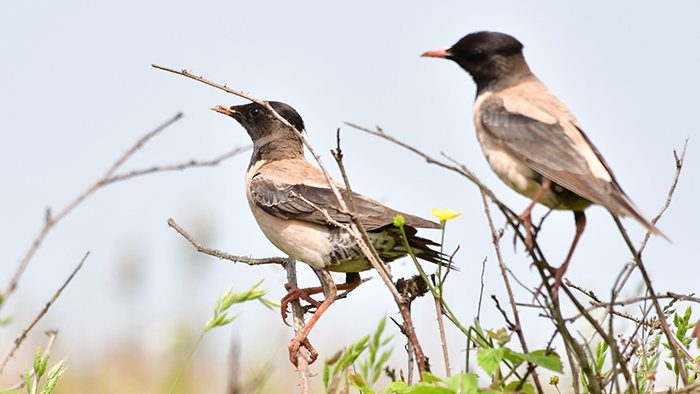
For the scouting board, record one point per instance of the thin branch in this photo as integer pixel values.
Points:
(674, 183)
(517, 327)
(52, 220)
(226, 256)
(363, 241)
(52, 334)
(630, 267)
(674, 297)
(664, 325)
(298, 316)
(176, 167)
(41, 314)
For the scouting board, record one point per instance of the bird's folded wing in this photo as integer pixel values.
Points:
(291, 201)
(543, 147)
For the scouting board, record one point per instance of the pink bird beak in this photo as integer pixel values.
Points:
(440, 52)
(223, 109)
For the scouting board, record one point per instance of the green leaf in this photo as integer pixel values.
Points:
(537, 357)
(430, 378)
(44, 361)
(600, 355)
(489, 359)
(37, 364)
(269, 303)
(466, 383)
(27, 382)
(378, 366)
(427, 388)
(399, 387)
(54, 375)
(384, 342)
(378, 334)
(527, 388)
(326, 375)
(359, 383)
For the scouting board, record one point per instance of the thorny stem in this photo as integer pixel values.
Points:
(41, 314)
(51, 220)
(659, 311)
(516, 316)
(366, 246)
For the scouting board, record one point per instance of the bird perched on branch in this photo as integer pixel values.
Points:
(531, 139)
(292, 202)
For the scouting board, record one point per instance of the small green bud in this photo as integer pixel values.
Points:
(399, 221)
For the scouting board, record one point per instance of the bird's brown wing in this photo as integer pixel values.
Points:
(285, 201)
(543, 147)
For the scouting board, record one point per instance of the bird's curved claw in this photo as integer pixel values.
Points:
(294, 348)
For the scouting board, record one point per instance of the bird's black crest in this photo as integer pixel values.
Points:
(484, 43)
(290, 114)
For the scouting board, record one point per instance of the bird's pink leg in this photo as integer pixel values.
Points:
(295, 293)
(330, 291)
(559, 272)
(301, 338)
(525, 216)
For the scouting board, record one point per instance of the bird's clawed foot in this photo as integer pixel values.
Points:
(530, 230)
(295, 293)
(294, 346)
(558, 276)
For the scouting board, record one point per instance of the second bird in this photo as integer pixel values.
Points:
(530, 138)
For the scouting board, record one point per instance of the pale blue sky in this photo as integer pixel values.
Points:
(77, 90)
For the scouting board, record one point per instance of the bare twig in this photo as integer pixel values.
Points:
(52, 220)
(664, 325)
(363, 241)
(517, 327)
(52, 338)
(226, 256)
(182, 166)
(41, 314)
(302, 361)
(674, 183)
(441, 328)
(481, 290)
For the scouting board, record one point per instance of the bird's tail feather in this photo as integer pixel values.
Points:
(422, 249)
(627, 208)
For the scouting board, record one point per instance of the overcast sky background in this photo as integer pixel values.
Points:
(77, 90)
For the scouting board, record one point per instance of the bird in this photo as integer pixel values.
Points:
(290, 197)
(531, 140)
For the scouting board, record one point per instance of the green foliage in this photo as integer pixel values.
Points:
(489, 359)
(648, 361)
(370, 370)
(466, 383)
(228, 299)
(220, 318)
(40, 363)
(683, 327)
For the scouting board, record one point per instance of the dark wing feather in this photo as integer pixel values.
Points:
(544, 148)
(282, 201)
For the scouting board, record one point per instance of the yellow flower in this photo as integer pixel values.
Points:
(445, 214)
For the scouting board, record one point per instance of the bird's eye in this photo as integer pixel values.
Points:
(254, 112)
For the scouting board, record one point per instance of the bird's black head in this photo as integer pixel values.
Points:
(259, 121)
(272, 139)
(488, 56)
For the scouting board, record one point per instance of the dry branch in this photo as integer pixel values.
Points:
(41, 314)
